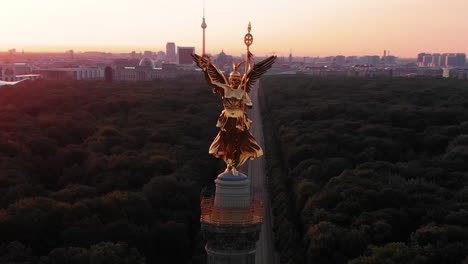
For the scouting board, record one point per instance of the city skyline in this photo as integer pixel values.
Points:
(316, 28)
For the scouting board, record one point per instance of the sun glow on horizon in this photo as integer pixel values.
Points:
(310, 28)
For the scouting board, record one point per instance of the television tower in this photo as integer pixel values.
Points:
(290, 56)
(203, 25)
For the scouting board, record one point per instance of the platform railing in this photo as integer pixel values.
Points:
(223, 216)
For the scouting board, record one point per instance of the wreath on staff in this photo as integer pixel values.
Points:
(204, 63)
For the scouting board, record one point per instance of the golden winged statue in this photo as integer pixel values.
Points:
(234, 142)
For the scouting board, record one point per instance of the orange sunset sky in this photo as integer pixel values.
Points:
(309, 27)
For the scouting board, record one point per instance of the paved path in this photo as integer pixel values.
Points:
(256, 172)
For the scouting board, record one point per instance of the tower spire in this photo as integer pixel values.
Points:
(203, 26)
(290, 56)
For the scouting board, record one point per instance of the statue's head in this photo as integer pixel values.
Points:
(235, 77)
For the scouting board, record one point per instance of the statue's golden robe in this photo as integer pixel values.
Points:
(234, 143)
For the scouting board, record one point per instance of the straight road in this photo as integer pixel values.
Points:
(256, 172)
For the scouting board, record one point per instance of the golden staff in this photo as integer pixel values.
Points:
(248, 40)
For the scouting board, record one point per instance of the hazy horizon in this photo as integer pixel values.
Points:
(127, 50)
(309, 28)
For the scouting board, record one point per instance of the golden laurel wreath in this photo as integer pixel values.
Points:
(202, 62)
(248, 39)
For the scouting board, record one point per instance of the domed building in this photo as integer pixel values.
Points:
(223, 59)
(147, 63)
(145, 71)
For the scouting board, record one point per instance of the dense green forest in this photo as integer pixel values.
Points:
(368, 170)
(95, 172)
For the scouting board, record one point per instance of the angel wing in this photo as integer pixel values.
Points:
(213, 75)
(256, 72)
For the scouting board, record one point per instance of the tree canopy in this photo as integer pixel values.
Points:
(95, 172)
(368, 170)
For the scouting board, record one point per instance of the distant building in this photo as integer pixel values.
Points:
(436, 59)
(128, 74)
(443, 59)
(81, 73)
(148, 53)
(421, 57)
(430, 72)
(462, 74)
(147, 63)
(161, 56)
(9, 72)
(427, 59)
(223, 59)
(351, 59)
(455, 72)
(146, 71)
(71, 53)
(184, 55)
(389, 59)
(109, 74)
(451, 60)
(171, 52)
(461, 59)
(340, 60)
(373, 60)
(447, 72)
(126, 63)
(169, 67)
